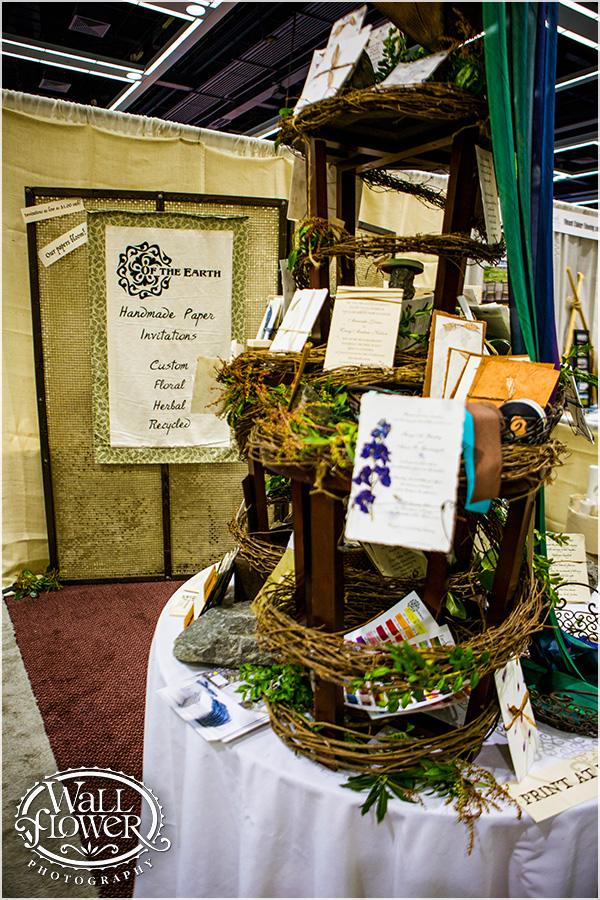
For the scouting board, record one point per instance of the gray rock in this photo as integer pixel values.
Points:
(223, 636)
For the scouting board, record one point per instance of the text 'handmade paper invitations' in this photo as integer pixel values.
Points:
(405, 476)
(363, 329)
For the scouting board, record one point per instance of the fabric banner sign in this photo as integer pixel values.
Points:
(167, 317)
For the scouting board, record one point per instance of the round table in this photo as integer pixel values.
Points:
(251, 819)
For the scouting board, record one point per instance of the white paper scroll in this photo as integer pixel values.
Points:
(168, 302)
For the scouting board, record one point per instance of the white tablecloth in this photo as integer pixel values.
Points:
(251, 819)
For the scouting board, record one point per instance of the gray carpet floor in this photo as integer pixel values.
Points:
(26, 758)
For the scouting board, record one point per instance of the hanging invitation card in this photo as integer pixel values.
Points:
(405, 476)
(163, 293)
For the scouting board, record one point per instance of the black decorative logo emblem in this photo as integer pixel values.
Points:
(141, 270)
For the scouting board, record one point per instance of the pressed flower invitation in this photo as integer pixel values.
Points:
(405, 476)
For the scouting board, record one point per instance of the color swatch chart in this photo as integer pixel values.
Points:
(409, 620)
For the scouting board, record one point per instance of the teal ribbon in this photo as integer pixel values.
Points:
(468, 450)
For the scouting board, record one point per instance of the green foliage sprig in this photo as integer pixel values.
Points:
(408, 319)
(30, 585)
(311, 236)
(471, 789)
(569, 366)
(286, 684)
(541, 567)
(421, 672)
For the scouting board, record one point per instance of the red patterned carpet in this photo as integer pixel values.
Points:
(86, 649)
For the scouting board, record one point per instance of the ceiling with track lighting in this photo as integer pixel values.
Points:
(231, 66)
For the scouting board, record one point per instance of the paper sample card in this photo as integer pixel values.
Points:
(449, 332)
(214, 712)
(489, 195)
(52, 209)
(569, 563)
(330, 68)
(183, 605)
(64, 244)
(502, 378)
(363, 332)
(461, 390)
(397, 562)
(547, 792)
(271, 319)
(517, 715)
(415, 72)
(457, 361)
(405, 474)
(408, 620)
(298, 321)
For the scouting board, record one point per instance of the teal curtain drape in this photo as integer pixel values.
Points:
(520, 58)
(520, 55)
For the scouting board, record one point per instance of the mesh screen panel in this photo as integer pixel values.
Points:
(108, 518)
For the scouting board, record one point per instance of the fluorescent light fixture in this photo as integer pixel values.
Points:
(162, 9)
(577, 37)
(564, 176)
(577, 79)
(172, 47)
(61, 65)
(575, 146)
(124, 96)
(577, 7)
(195, 10)
(268, 133)
(134, 76)
(40, 54)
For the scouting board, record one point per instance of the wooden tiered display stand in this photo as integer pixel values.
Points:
(355, 144)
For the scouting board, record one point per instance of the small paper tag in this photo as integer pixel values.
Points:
(517, 715)
(64, 244)
(52, 209)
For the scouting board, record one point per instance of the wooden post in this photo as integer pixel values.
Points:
(458, 214)
(346, 211)
(301, 521)
(255, 497)
(325, 592)
(510, 560)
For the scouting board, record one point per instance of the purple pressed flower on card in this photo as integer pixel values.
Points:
(364, 500)
(364, 476)
(371, 475)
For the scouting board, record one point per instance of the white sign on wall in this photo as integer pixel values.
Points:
(168, 305)
(582, 224)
